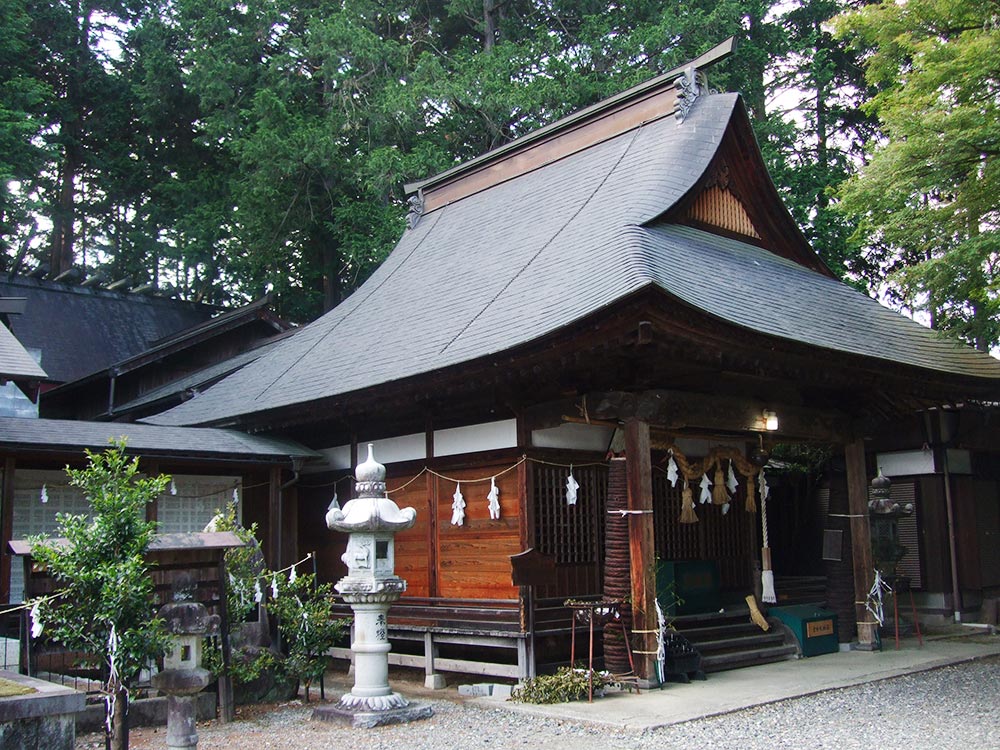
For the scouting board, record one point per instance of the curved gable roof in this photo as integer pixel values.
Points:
(532, 254)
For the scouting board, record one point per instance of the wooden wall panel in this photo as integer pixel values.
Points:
(473, 559)
(964, 499)
(934, 532)
(988, 527)
(412, 549)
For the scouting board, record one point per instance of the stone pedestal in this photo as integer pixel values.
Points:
(364, 718)
(182, 687)
(370, 587)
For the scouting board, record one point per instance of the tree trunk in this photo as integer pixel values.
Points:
(489, 24)
(117, 738)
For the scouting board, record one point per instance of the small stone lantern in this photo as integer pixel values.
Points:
(183, 677)
(370, 587)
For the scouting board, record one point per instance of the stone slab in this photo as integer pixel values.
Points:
(478, 690)
(146, 712)
(48, 699)
(365, 719)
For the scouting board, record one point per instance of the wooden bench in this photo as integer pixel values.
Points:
(479, 623)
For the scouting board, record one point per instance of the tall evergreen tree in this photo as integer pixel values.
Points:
(928, 202)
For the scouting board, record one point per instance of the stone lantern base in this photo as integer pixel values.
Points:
(365, 718)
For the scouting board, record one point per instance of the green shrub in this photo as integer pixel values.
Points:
(567, 684)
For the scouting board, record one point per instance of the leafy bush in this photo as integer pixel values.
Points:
(567, 684)
(308, 627)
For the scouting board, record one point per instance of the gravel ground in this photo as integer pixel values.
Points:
(952, 707)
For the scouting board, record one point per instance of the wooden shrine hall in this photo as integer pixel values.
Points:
(575, 333)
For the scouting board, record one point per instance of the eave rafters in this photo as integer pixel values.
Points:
(651, 343)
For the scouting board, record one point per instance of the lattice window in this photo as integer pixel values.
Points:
(31, 516)
(570, 533)
(197, 501)
(673, 540)
(725, 539)
(905, 493)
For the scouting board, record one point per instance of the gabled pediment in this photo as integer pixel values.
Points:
(718, 206)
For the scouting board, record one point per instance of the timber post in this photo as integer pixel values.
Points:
(642, 552)
(857, 499)
(273, 552)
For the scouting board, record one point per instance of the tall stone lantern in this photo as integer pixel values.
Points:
(371, 520)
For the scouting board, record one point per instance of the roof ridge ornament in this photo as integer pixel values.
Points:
(416, 204)
(691, 84)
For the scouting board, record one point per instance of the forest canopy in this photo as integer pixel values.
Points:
(217, 152)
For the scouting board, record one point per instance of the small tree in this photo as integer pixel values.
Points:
(104, 605)
(308, 627)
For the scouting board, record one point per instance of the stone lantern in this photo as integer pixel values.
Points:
(188, 622)
(371, 520)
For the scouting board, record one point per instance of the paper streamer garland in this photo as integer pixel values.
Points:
(706, 489)
(571, 487)
(726, 483)
(672, 470)
(494, 498)
(457, 506)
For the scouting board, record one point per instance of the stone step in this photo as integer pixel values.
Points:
(773, 637)
(747, 658)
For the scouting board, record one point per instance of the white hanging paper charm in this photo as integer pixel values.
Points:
(274, 586)
(258, 595)
(173, 487)
(45, 494)
(457, 506)
(571, 487)
(731, 483)
(292, 575)
(672, 473)
(706, 489)
(494, 498)
(236, 495)
(36, 620)
(332, 510)
(764, 489)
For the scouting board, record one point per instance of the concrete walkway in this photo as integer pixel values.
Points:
(738, 689)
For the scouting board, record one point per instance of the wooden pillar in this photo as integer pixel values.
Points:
(642, 551)
(6, 526)
(274, 518)
(152, 469)
(227, 712)
(857, 499)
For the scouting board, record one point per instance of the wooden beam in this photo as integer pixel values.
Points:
(274, 518)
(680, 410)
(642, 551)
(6, 526)
(857, 500)
(433, 536)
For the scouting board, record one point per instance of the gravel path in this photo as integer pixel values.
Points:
(953, 707)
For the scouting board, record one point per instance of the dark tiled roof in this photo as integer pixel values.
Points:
(15, 362)
(81, 330)
(768, 294)
(197, 380)
(62, 435)
(536, 253)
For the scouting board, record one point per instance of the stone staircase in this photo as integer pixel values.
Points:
(729, 640)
